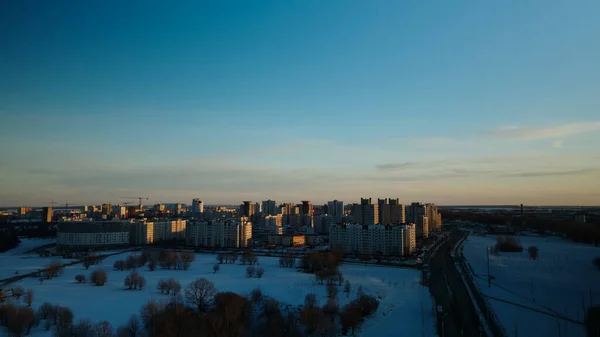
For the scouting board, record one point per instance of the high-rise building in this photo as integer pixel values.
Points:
(106, 211)
(257, 208)
(141, 232)
(366, 213)
(335, 208)
(423, 227)
(197, 208)
(397, 212)
(384, 211)
(47, 214)
(306, 208)
(432, 214)
(269, 207)
(246, 209)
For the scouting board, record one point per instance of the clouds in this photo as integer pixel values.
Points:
(545, 132)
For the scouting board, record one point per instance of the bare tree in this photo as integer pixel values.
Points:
(149, 314)
(216, 268)
(221, 258)
(360, 291)
(186, 259)
(134, 326)
(90, 260)
(332, 307)
(340, 278)
(201, 293)
(122, 331)
(83, 328)
(54, 269)
(119, 265)
(80, 278)
(28, 297)
(347, 288)
(310, 300)
(46, 310)
(141, 282)
(259, 272)
(103, 329)
(19, 320)
(332, 290)
(250, 271)
(533, 252)
(162, 286)
(174, 286)
(256, 295)
(99, 277)
(18, 292)
(234, 258)
(152, 265)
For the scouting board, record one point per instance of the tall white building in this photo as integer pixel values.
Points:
(221, 234)
(197, 208)
(373, 239)
(269, 207)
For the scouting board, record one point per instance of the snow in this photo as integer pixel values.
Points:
(404, 302)
(562, 280)
(15, 261)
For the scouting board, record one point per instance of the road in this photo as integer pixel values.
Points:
(451, 293)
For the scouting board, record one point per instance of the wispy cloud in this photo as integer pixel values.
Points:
(394, 166)
(555, 131)
(551, 173)
(557, 144)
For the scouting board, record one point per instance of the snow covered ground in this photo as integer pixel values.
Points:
(14, 260)
(562, 280)
(405, 303)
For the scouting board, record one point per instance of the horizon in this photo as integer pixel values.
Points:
(455, 103)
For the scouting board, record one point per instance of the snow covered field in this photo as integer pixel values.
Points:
(405, 303)
(15, 261)
(561, 280)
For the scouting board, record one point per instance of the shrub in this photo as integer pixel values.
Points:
(250, 271)
(216, 267)
(80, 278)
(18, 292)
(533, 252)
(508, 244)
(259, 272)
(99, 277)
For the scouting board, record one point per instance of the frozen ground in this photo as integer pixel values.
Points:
(562, 280)
(405, 303)
(14, 260)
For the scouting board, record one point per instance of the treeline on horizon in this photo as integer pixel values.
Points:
(579, 232)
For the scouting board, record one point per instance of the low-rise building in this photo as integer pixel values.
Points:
(287, 240)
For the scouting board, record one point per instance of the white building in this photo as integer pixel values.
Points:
(88, 234)
(393, 240)
(169, 229)
(221, 234)
(197, 208)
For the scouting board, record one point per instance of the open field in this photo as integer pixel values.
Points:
(14, 260)
(561, 281)
(404, 302)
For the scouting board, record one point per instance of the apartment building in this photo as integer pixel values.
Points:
(169, 229)
(390, 240)
(88, 234)
(269, 207)
(220, 234)
(397, 211)
(365, 213)
(141, 232)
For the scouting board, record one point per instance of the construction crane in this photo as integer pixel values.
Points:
(140, 199)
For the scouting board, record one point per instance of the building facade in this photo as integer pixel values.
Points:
(220, 234)
(90, 234)
(388, 240)
(269, 207)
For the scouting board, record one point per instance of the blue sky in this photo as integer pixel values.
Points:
(454, 102)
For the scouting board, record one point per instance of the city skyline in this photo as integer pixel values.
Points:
(454, 103)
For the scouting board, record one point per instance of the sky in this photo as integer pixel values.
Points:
(452, 102)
